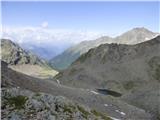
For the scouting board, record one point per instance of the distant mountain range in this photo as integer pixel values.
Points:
(24, 61)
(132, 70)
(134, 36)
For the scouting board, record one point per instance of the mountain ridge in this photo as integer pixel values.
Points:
(133, 36)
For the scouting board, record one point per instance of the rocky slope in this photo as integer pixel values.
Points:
(134, 36)
(132, 70)
(113, 62)
(87, 102)
(18, 104)
(13, 54)
(20, 60)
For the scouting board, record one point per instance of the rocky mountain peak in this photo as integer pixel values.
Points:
(141, 29)
(13, 54)
(135, 36)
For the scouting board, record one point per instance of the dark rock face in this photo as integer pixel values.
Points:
(4, 74)
(154, 64)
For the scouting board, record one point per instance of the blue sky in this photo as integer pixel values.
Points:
(112, 17)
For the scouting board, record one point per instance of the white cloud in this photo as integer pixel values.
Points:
(53, 40)
(38, 35)
(44, 24)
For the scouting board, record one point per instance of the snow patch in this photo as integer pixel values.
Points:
(94, 92)
(105, 105)
(146, 38)
(122, 113)
(114, 118)
(58, 81)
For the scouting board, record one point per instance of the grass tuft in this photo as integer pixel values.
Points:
(17, 102)
(98, 114)
(83, 111)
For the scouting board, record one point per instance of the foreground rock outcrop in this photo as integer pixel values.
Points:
(18, 104)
